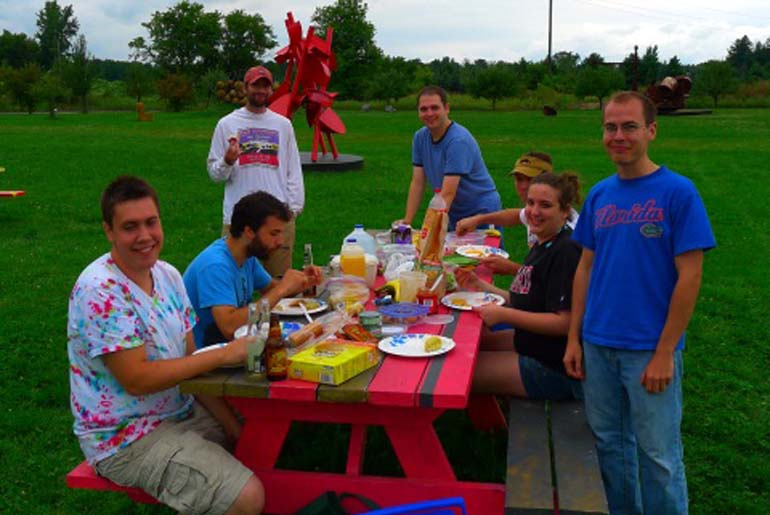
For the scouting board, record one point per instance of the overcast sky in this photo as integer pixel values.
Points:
(693, 30)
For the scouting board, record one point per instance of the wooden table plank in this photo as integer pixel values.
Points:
(211, 383)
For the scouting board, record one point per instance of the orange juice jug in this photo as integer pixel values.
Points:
(352, 259)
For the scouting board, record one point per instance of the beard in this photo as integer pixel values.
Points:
(258, 250)
(258, 102)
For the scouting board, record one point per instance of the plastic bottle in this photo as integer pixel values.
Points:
(365, 240)
(431, 237)
(307, 261)
(352, 259)
(258, 323)
(437, 202)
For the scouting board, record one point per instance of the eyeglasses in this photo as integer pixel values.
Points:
(626, 128)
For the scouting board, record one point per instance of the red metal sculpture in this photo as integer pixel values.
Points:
(313, 60)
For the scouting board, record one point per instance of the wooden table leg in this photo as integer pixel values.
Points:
(356, 450)
(485, 413)
(418, 448)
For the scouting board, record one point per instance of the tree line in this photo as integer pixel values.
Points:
(187, 50)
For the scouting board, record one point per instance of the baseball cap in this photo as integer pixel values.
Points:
(531, 166)
(257, 72)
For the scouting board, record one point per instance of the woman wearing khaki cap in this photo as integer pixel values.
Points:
(527, 167)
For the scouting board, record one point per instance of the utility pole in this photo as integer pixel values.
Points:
(550, 31)
(635, 83)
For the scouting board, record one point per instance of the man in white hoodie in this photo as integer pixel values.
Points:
(254, 149)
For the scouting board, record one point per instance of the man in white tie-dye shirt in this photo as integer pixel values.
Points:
(129, 339)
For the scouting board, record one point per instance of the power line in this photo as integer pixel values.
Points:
(660, 14)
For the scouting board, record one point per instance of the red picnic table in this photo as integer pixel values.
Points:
(403, 395)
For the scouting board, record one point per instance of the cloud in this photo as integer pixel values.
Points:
(490, 29)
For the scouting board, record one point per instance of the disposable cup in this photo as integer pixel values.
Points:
(410, 284)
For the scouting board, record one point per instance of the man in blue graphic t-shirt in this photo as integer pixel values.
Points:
(446, 154)
(644, 231)
(222, 279)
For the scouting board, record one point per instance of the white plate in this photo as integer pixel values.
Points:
(413, 345)
(216, 346)
(480, 251)
(291, 306)
(286, 329)
(467, 300)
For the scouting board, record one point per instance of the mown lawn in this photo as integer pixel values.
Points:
(49, 236)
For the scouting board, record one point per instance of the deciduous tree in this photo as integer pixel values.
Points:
(20, 84)
(51, 89)
(77, 72)
(599, 81)
(183, 39)
(16, 50)
(245, 39)
(494, 83)
(138, 80)
(352, 42)
(56, 27)
(714, 78)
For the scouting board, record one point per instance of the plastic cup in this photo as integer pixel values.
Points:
(410, 284)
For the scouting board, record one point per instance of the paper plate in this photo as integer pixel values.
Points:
(480, 251)
(467, 300)
(413, 345)
(292, 306)
(287, 328)
(441, 319)
(217, 346)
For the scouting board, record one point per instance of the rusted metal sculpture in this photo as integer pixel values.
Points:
(309, 65)
(670, 94)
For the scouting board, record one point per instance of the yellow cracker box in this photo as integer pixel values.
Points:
(333, 361)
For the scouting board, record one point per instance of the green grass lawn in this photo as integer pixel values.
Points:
(49, 236)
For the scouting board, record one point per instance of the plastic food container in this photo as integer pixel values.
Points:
(371, 268)
(453, 241)
(348, 290)
(403, 313)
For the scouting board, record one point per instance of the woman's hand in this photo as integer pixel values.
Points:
(468, 280)
(491, 313)
(500, 265)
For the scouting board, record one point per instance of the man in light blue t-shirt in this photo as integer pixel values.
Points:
(644, 231)
(446, 154)
(222, 279)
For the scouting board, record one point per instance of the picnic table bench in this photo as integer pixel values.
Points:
(552, 464)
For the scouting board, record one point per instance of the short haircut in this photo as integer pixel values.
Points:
(122, 189)
(253, 209)
(648, 107)
(433, 90)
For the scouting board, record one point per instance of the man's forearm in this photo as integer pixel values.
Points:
(219, 170)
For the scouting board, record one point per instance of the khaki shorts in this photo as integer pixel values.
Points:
(183, 464)
(280, 259)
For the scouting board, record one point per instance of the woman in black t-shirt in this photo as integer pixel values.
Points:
(538, 303)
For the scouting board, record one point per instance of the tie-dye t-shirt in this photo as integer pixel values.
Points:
(108, 313)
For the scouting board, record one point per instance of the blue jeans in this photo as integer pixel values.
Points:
(543, 383)
(638, 434)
